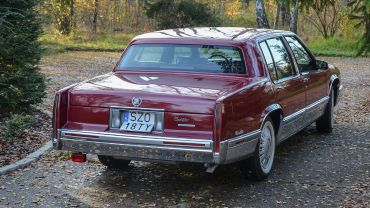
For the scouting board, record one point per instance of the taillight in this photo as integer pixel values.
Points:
(217, 126)
(55, 116)
(60, 109)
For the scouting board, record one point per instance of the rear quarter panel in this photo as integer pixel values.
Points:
(243, 111)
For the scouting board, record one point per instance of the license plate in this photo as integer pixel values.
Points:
(139, 121)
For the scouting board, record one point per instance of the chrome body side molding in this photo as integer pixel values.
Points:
(315, 110)
(299, 120)
(241, 147)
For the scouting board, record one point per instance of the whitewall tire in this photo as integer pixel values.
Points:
(259, 166)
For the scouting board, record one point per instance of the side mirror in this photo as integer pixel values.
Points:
(321, 64)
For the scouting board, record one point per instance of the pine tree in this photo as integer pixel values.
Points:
(21, 82)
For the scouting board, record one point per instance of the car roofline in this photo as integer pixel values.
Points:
(151, 36)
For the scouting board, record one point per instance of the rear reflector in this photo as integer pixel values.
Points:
(78, 157)
(81, 135)
(185, 144)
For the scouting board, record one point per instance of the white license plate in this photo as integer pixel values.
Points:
(139, 121)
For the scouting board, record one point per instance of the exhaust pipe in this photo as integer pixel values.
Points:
(210, 167)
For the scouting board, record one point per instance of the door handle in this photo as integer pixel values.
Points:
(279, 87)
(306, 79)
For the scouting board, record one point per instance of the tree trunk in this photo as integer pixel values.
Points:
(95, 16)
(65, 18)
(277, 16)
(294, 17)
(285, 13)
(261, 17)
(244, 2)
(71, 18)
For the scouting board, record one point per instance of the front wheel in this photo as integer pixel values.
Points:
(325, 123)
(113, 163)
(259, 166)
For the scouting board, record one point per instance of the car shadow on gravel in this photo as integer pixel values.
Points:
(311, 169)
(152, 181)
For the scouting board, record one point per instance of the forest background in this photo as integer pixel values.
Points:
(330, 27)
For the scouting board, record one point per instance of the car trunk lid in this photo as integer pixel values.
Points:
(172, 92)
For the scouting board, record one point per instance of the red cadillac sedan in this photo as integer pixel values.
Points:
(211, 95)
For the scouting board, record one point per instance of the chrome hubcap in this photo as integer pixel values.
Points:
(267, 147)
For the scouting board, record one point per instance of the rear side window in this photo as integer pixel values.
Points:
(301, 55)
(281, 58)
(269, 60)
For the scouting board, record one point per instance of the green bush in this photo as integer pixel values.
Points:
(334, 46)
(17, 123)
(183, 13)
(21, 82)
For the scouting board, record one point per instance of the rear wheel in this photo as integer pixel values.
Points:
(259, 166)
(325, 123)
(114, 163)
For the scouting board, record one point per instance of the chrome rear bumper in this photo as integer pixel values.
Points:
(156, 148)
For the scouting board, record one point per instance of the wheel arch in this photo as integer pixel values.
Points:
(334, 85)
(275, 112)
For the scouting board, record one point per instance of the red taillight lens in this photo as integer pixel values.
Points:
(55, 116)
(217, 126)
(59, 112)
(78, 157)
(184, 144)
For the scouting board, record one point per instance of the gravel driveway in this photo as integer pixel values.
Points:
(311, 170)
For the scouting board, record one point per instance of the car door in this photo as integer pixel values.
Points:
(314, 78)
(288, 84)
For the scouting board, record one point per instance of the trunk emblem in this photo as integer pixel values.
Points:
(136, 102)
(181, 119)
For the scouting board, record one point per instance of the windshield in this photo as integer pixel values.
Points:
(197, 58)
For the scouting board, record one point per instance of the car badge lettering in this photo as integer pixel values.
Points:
(136, 102)
(181, 119)
(240, 132)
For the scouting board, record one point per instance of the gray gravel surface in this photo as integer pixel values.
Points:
(311, 169)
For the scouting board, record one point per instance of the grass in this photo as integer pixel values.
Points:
(333, 46)
(116, 42)
(102, 42)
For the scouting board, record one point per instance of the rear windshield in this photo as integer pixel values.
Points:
(197, 58)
